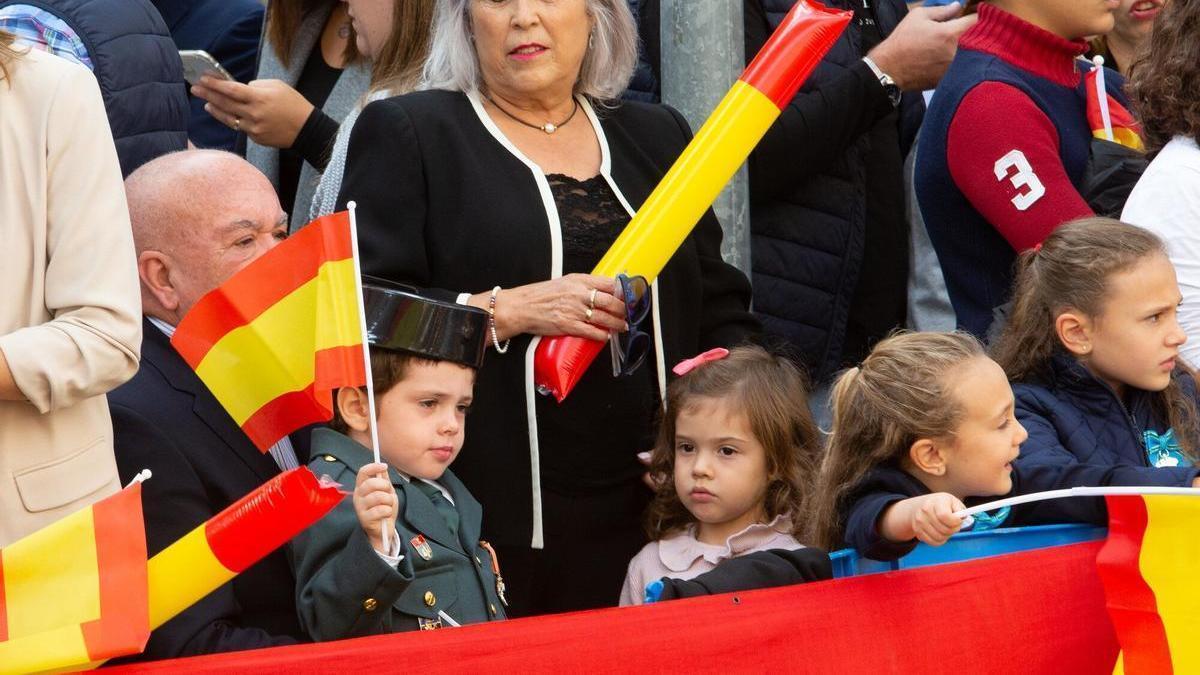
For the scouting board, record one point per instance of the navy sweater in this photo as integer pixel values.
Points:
(1002, 153)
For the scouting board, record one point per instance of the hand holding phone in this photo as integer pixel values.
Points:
(197, 63)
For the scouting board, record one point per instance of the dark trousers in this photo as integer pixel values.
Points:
(589, 540)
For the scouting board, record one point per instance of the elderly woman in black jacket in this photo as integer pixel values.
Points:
(502, 184)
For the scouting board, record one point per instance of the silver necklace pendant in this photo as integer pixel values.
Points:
(549, 128)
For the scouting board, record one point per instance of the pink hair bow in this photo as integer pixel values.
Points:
(688, 365)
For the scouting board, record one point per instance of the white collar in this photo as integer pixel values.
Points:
(679, 552)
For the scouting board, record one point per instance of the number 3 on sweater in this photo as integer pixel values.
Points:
(1024, 177)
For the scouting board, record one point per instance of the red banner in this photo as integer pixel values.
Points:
(1040, 611)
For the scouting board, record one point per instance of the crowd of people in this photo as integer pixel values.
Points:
(938, 173)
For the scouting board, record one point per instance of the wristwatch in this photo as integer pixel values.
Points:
(889, 85)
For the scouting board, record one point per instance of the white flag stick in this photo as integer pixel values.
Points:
(141, 477)
(366, 348)
(1078, 492)
(1102, 97)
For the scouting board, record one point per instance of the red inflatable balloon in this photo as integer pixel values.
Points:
(721, 146)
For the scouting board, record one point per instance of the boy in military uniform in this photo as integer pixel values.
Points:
(430, 570)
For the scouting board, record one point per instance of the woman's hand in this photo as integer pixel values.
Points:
(375, 504)
(928, 518)
(562, 306)
(269, 111)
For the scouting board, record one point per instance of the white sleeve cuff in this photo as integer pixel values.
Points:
(394, 555)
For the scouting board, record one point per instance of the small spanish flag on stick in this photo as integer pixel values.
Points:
(1149, 570)
(1109, 120)
(74, 592)
(278, 337)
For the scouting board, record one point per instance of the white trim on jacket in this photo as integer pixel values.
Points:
(556, 253)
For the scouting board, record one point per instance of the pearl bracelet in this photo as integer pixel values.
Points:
(492, 323)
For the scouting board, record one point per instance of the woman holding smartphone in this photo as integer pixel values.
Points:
(310, 77)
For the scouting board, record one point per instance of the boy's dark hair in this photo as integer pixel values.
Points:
(388, 368)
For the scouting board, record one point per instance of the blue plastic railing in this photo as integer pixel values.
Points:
(968, 546)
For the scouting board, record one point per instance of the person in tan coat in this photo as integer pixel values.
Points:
(70, 328)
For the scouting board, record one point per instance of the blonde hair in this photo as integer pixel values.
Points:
(900, 394)
(770, 390)
(1071, 271)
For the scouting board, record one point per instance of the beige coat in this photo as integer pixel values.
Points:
(70, 325)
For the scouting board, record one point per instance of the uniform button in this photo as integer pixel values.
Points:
(370, 604)
(493, 608)
(430, 599)
(330, 458)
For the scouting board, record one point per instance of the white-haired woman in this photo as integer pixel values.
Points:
(501, 185)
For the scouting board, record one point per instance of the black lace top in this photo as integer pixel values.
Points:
(591, 439)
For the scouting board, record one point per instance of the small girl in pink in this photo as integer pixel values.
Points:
(734, 454)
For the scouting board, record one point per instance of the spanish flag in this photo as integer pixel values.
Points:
(275, 340)
(1125, 129)
(75, 592)
(1149, 567)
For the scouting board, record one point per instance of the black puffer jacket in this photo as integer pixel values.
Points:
(808, 182)
(139, 71)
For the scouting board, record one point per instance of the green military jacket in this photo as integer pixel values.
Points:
(345, 589)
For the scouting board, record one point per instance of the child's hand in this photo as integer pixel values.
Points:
(928, 518)
(375, 504)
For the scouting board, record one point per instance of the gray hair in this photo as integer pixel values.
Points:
(607, 66)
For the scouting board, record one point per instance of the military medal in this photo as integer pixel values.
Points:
(428, 624)
(423, 549)
(496, 571)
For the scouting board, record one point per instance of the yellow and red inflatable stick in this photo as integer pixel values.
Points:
(234, 539)
(721, 146)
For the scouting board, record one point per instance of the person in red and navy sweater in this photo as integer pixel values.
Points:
(1004, 145)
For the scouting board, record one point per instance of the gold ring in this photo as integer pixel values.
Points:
(588, 315)
(237, 123)
(592, 299)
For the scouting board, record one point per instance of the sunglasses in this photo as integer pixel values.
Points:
(629, 349)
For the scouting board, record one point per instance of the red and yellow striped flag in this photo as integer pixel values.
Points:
(74, 593)
(275, 340)
(1149, 568)
(1125, 128)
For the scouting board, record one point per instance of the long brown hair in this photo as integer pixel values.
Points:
(283, 23)
(1164, 82)
(7, 52)
(1071, 271)
(398, 68)
(901, 393)
(770, 390)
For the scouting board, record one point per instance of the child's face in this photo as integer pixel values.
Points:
(421, 419)
(1070, 19)
(720, 469)
(1136, 338)
(979, 457)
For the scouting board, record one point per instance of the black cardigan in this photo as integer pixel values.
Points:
(445, 206)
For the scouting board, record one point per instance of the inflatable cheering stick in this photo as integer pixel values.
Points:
(724, 142)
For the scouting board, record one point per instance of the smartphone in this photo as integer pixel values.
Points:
(197, 62)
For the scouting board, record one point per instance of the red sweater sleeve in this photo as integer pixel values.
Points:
(1002, 151)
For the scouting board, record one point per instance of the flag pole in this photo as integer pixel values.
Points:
(366, 347)
(1079, 492)
(1102, 97)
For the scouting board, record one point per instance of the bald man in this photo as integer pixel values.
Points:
(198, 217)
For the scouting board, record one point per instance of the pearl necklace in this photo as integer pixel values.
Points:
(548, 127)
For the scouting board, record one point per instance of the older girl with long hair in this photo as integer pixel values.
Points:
(1166, 200)
(1093, 350)
(735, 457)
